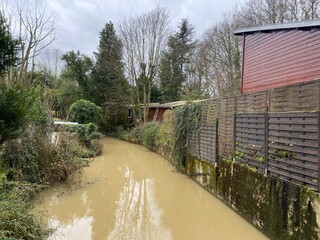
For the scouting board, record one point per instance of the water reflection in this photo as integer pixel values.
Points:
(132, 193)
(137, 214)
(79, 228)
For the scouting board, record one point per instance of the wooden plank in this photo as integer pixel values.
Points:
(241, 115)
(250, 141)
(250, 135)
(258, 131)
(296, 156)
(258, 152)
(293, 177)
(294, 120)
(290, 168)
(294, 162)
(250, 125)
(295, 114)
(294, 149)
(294, 142)
(289, 134)
(295, 128)
(248, 120)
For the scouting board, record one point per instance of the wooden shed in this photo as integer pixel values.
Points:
(156, 111)
(280, 54)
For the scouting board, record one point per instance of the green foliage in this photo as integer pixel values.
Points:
(78, 69)
(109, 87)
(187, 121)
(9, 47)
(83, 111)
(68, 93)
(174, 64)
(19, 107)
(148, 134)
(35, 159)
(16, 222)
(85, 132)
(133, 135)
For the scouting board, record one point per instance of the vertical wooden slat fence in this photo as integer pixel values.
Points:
(275, 131)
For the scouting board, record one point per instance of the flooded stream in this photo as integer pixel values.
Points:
(132, 193)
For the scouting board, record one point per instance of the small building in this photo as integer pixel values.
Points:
(157, 110)
(279, 54)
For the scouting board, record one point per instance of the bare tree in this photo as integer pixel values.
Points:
(36, 29)
(144, 39)
(50, 60)
(221, 50)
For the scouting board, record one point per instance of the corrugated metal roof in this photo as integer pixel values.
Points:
(281, 26)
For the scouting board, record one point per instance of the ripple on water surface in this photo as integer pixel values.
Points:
(132, 193)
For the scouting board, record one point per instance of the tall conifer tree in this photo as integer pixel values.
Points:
(109, 87)
(174, 63)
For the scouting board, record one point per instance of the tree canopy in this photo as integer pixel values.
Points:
(9, 47)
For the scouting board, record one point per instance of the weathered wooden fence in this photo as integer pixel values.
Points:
(275, 131)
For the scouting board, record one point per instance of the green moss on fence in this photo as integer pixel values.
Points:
(281, 210)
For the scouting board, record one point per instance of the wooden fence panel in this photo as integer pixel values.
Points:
(296, 97)
(252, 103)
(193, 143)
(208, 142)
(293, 147)
(226, 127)
(210, 111)
(250, 140)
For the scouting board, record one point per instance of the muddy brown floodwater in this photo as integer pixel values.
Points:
(132, 193)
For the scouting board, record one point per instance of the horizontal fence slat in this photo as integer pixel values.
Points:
(237, 126)
(294, 142)
(291, 134)
(295, 149)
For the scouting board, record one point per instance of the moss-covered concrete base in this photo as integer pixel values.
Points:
(281, 210)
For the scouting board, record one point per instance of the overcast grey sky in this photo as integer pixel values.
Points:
(80, 21)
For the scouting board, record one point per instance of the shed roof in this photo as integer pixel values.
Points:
(172, 104)
(281, 26)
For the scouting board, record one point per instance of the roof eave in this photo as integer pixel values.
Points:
(282, 26)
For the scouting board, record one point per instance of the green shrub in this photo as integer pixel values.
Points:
(133, 135)
(35, 159)
(85, 132)
(83, 111)
(16, 222)
(148, 134)
(20, 108)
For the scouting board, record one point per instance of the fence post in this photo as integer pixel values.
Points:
(319, 148)
(266, 140)
(266, 131)
(199, 144)
(234, 127)
(216, 143)
(319, 136)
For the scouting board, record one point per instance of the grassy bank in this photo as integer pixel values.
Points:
(32, 163)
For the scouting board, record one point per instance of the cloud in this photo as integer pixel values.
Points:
(80, 21)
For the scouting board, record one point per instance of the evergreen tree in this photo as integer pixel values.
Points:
(174, 64)
(78, 70)
(8, 47)
(109, 86)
